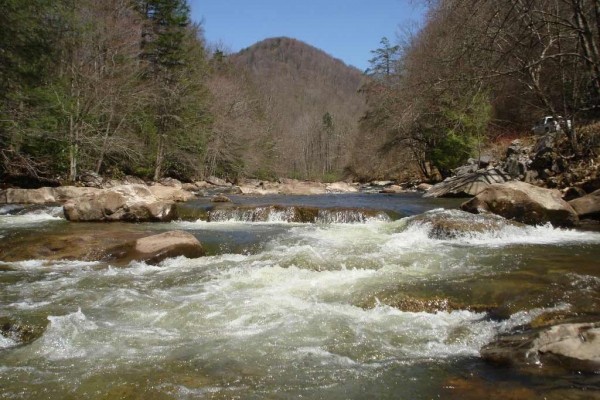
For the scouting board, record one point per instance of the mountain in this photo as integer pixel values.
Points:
(311, 104)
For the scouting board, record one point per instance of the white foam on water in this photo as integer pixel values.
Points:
(29, 304)
(585, 282)
(6, 342)
(251, 307)
(289, 306)
(53, 214)
(529, 235)
(65, 337)
(57, 265)
(500, 232)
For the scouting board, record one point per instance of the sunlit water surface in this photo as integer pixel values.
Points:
(286, 310)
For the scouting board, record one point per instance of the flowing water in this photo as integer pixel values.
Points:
(383, 307)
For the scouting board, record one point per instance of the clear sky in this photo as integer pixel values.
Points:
(345, 29)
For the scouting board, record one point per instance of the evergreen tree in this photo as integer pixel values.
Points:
(383, 64)
(29, 56)
(163, 47)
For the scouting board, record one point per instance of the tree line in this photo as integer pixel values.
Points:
(129, 87)
(477, 68)
(111, 86)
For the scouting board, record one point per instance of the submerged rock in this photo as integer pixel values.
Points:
(20, 333)
(574, 347)
(475, 388)
(412, 303)
(85, 244)
(468, 184)
(154, 249)
(523, 202)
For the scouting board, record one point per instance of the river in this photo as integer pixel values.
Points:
(383, 307)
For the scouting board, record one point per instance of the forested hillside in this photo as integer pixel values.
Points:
(119, 87)
(474, 72)
(312, 103)
(123, 87)
(111, 86)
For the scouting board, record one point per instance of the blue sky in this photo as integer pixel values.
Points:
(346, 29)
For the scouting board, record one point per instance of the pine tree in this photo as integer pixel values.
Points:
(383, 64)
(163, 42)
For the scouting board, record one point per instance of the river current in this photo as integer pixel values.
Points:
(378, 308)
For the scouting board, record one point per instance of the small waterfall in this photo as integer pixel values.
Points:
(11, 209)
(258, 214)
(281, 214)
(334, 216)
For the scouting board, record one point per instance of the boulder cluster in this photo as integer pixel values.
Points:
(531, 184)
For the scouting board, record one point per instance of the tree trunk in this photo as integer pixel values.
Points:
(160, 157)
(73, 149)
(589, 44)
(104, 144)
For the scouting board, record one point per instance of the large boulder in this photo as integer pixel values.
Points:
(81, 242)
(468, 184)
(154, 249)
(523, 202)
(453, 224)
(170, 193)
(43, 195)
(66, 193)
(588, 206)
(133, 203)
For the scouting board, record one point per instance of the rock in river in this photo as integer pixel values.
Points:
(523, 202)
(467, 184)
(587, 206)
(153, 249)
(122, 203)
(575, 347)
(42, 195)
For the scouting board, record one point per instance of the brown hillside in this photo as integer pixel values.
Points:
(311, 102)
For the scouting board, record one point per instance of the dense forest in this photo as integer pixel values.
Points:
(475, 72)
(129, 87)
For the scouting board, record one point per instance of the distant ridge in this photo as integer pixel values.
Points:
(299, 84)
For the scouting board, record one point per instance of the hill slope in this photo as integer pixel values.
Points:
(311, 103)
